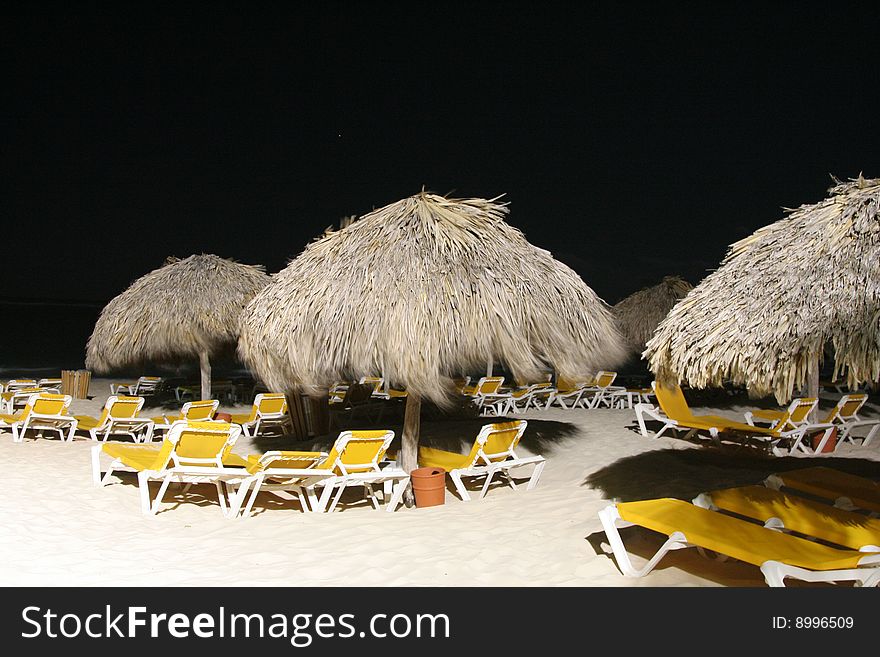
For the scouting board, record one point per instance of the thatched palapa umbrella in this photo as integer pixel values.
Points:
(639, 314)
(422, 290)
(763, 318)
(189, 307)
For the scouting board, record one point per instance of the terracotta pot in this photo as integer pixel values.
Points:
(830, 445)
(429, 486)
(223, 417)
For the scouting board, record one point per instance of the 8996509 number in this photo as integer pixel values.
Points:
(823, 622)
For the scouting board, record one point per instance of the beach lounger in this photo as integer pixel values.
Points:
(567, 394)
(777, 554)
(120, 416)
(354, 460)
(18, 384)
(629, 397)
(268, 414)
(845, 414)
(845, 490)
(535, 395)
(600, 392)
(17, 398)
(778, 510)
(493, 452)
(796, 414)
(191, 411)
(144, 386)
(191, 453)
(674, 413)
(487, 394)
(44, 411)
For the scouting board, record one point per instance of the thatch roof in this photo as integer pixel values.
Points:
(780, 295)
(639, 314)
(422, 290)
(183, 308)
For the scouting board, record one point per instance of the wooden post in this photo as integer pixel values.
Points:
(813, 385)
(320, 414)
(489, 365)
(297, 412)
(409, 441)
(205, 365)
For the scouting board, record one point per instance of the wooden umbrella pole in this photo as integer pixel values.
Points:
(813, 385)
(205, 366)
(409, 441)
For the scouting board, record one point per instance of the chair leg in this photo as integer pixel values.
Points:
(609, 517)
(397, 496)
(96, 465)
(162, 488)
(257, 482)
(340, 489)
(485, 489)
(459, 486)
(371, 494)
(536, 475)
(144, 488)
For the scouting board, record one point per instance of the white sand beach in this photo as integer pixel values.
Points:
(61, 530)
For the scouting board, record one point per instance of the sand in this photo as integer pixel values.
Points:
(61, 530)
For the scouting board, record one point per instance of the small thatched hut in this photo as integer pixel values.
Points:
(764, 317)
(422, 290)
(639, 314)
(186, 308)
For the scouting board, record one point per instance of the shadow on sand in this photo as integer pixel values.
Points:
(685, 473)
(451, 433)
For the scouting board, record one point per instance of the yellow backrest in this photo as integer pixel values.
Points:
(564, 385)
(357, 450)
(124, 407)
(796, 413)
(496, 440)
(846, 407)
(199, 410)
(672, 402)
(605, 379)
(489, 385)
(50, 404)
(202, 440)
(272, 402)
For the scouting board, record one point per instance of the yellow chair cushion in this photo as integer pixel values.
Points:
(733, 537)
(852, 530)
(438, 458)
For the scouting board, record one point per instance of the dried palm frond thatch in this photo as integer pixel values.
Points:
(763, 318)
(639, 314)
(189, 307)
(421, 290)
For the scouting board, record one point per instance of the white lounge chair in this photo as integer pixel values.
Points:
(191, 453)
(777, 554)
(268, 413)
(845, 415)
(144, 386)
(120, 416)
(43, 412)
(191, 411)
(493, 452)
(354, 460)
(600, 393)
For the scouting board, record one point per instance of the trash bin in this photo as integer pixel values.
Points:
(429, 486)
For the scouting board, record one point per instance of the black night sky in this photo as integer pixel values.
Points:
(632, 140)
